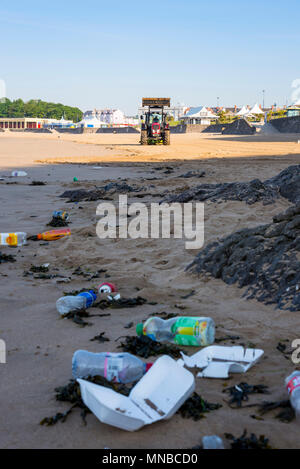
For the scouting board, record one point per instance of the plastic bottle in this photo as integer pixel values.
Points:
(66, 304)
(212, 442)
(61, 215)
(198, 331)
(18, 173)
(117, 367)
(12, 239)
(293, 386)
(54, 234)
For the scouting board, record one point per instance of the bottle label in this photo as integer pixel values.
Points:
(112, 368)
(89, 298)
(293, 384)
(190, 331)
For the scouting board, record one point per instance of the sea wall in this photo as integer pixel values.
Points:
(287, 124)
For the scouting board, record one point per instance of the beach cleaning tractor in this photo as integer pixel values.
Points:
(155, 128)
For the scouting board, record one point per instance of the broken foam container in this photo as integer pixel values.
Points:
(157, 396)
(217, 361)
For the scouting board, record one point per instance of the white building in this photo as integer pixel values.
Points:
(176, 111)
(199, 115)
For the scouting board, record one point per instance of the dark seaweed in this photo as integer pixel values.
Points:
(38, 183)
(100, 338)
(39, 268)
(121, 303)
(240, 392)
(252, 442)
(196, 406)
(71, 393)
(57, 222)
(145, 347)
(286, 415)
(7, 258)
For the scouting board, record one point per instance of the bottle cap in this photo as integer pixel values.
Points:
(148, 366)
(139, 328)
(106, 287)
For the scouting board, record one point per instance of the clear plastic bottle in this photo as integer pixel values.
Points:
(66, 304)
(292, 383)
(13, 239)
(18, 173)
(212, 442)
(117, 367)
(197, 331)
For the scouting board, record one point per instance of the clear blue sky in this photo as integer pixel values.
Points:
(99, 53)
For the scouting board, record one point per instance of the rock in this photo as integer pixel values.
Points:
(285, 184)
(239, 127)
(265, 260)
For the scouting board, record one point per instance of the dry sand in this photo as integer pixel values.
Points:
(40, 345)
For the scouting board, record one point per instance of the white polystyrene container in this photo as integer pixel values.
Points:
(157, 396)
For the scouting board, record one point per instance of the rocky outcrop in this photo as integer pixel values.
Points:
(265, 260)
(285, 184)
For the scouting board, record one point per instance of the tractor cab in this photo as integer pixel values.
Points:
(155, 128)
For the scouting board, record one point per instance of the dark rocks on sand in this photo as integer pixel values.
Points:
(285, 184)
(239, 127)
(264, 259)
(78, 195)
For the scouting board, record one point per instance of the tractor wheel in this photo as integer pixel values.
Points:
(144, 138)
(166, 137)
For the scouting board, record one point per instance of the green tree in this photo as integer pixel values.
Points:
(39, 108)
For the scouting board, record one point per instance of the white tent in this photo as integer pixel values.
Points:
(91, 122)
(256, 110)
(243, 111)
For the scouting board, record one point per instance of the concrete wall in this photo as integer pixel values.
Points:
(187, 128)
(287, 124)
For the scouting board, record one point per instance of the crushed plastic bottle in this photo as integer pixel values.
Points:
(66, 304)
(292, 383)
(197, 331)
(116, 367)
(13, 239)
(212, 442)
(61, 215)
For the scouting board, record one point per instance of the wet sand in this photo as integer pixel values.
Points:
(40, 345)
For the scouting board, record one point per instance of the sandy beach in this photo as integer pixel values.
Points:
(40, 345)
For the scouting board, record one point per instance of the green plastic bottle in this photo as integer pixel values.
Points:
(195, 331)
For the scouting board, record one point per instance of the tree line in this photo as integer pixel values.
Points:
(38, 108)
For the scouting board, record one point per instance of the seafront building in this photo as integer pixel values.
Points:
(23, 123)
(199, 115)
(111, 117)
